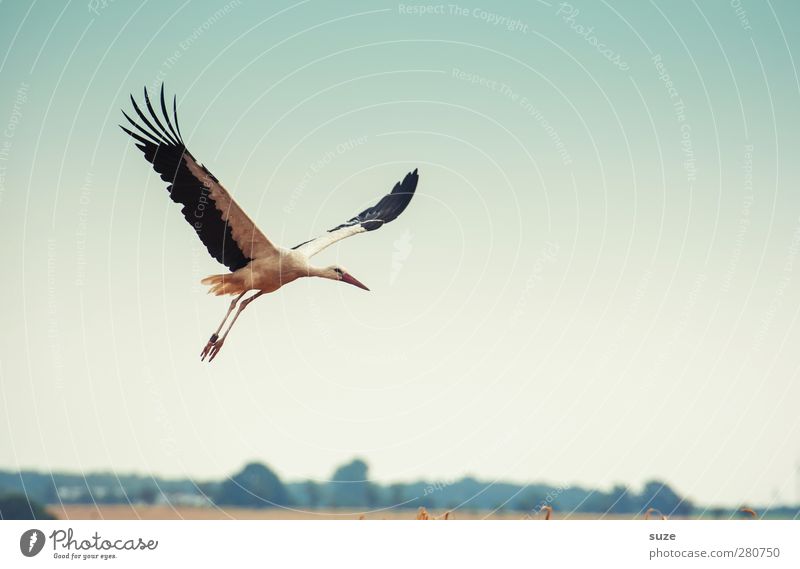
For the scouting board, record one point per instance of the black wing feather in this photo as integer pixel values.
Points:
(165, 150)
(388, 208)
(154, 114)
(153, 130)
(166, 116)
(148, 135)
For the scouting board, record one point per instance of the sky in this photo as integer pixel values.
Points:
(596, 282)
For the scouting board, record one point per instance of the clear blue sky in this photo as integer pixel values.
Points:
(597, 281)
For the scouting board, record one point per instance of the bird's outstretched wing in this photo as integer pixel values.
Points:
(223, 227)
(387, 209)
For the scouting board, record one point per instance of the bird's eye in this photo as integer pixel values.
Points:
(338, 271)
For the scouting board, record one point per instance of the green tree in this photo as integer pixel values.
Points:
(149, 494)
(19, 507)
(396, 494)
(256, 486)
(622, 500)
(660, 496)
(313, 494)
(350, 486)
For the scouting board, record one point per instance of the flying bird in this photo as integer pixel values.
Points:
(231, 237)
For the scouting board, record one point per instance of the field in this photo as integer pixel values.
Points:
(165, 512)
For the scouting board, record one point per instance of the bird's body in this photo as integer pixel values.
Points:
(266, 274)
(230, 236)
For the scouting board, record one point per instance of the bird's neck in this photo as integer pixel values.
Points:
(298, 265)
(318, 272)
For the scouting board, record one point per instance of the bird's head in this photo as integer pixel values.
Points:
(337, 273)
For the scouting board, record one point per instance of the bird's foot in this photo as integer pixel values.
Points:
(215, 348)
(209, 345)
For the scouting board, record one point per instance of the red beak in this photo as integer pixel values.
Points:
(350, 279)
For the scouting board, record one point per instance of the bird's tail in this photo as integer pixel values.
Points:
(222, 284)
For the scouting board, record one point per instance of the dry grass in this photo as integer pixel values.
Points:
(654, 512)
(422, 514)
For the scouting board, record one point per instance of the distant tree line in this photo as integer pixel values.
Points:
(258, 486)
(16, 506)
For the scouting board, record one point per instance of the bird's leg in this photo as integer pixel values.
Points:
(215, 335)
(217, 346)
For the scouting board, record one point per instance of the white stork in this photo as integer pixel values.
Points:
(229, 234)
